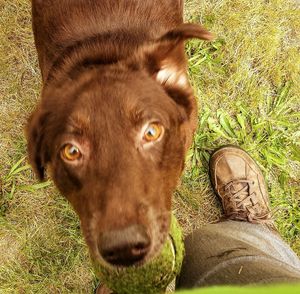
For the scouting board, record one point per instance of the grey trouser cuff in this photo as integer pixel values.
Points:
(237, 253)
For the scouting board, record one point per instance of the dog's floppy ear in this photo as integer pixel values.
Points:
(166, 61)
(36, 142)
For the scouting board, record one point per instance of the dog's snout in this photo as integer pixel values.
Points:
(124, 247)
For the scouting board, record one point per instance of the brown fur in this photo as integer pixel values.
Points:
(102, 64)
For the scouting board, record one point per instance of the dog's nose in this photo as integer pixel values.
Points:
(124, 247)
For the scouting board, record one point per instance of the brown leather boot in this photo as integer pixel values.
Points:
(239, 183)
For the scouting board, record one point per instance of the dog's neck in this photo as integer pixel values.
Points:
(98, 50)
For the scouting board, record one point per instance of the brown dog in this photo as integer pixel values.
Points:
(116, 116)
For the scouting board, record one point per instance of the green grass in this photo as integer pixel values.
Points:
(247, 82)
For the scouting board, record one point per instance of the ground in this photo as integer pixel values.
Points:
(247, 84)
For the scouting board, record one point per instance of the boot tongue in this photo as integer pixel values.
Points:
(231, 167)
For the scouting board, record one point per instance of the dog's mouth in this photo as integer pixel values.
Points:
(135, 257)
(155, 274)
(161, 269)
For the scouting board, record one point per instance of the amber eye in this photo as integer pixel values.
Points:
(153, 132)
(70, 152)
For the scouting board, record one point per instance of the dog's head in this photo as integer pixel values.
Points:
(114, 139)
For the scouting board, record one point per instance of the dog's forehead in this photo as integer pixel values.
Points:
(79, 120)
(120, 103)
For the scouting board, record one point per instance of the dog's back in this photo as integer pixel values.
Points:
(58, 24)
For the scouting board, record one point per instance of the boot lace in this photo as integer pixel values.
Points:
(241, 202)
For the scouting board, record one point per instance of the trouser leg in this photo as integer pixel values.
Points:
(237, 253)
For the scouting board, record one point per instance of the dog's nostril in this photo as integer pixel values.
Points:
(139, 249)
(139, 246)
(110, 254)
(124, 247)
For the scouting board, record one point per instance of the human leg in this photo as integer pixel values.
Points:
(245, 248)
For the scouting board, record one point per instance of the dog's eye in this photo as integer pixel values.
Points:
(153, 132)
(70, 152)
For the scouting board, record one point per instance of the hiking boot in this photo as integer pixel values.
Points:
(239, 182)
